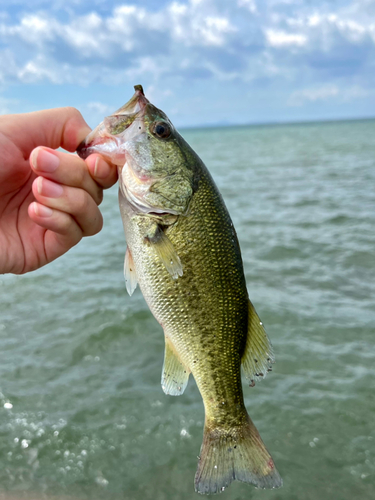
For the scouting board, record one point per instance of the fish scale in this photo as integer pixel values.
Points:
(183, 251)
(218, 297)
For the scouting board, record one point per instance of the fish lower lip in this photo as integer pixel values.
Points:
(83, 151)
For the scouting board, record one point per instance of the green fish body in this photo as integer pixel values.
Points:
(183, 251)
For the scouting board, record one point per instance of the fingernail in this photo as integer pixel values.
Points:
(48, 188)
(101, 169)
(44, 161)
(42, 210)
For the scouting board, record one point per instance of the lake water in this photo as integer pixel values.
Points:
(80, 360)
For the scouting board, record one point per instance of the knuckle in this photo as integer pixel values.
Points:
(73, 112)
(80, 205)
(66, 224)
(80, 175)
(99, 224)
(95, 226)
(83, 205)
(99, 196)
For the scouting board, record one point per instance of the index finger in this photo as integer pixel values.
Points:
(54, 128)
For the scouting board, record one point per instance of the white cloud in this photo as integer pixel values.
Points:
(155, 94)
(324, 28)
(299, 97)
(212, 30)
(99, 107)
(53, 50)
(191, 39)
(326, 93)
(33, 29)
(249, 4)
(125, 29)
(283, 39)
(37, 70)
(95, 111)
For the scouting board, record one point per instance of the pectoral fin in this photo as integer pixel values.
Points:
(258, 356)
(165, 250)
(129, 273)
(175, 375)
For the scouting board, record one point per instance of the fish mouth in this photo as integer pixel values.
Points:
(97, 145)
(107, 138)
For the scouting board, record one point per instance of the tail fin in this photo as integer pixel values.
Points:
(234, 454)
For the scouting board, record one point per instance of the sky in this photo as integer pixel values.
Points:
(203, 62)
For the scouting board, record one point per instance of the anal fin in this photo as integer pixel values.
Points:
(129, 273)
(175, 374)
(258, 356)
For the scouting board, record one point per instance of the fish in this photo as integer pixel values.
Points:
(183, 251)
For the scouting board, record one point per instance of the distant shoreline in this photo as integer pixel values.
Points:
(276, 123)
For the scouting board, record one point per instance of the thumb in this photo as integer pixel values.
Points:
(54, 128)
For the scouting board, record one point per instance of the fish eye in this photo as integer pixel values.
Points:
(162, 130)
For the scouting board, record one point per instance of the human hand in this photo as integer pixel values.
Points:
(67, 189)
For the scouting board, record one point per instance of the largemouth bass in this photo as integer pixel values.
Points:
(183, 251)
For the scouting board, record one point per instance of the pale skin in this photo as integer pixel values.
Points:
(48, 199)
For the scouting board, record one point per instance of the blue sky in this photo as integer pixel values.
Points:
(202, 61)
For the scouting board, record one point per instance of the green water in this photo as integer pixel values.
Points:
(80, 361)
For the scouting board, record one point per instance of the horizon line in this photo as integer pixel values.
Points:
(276, 122)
